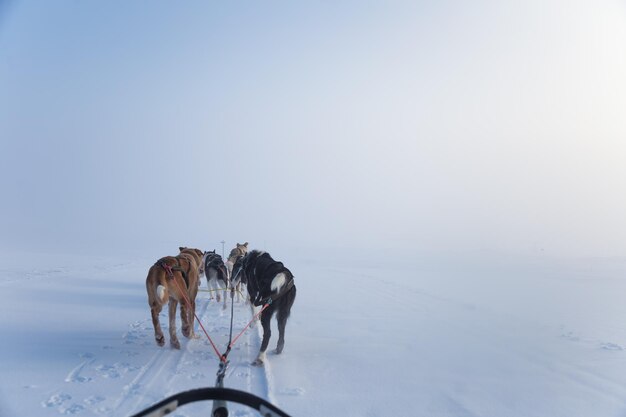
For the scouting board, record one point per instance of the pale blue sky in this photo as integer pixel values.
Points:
(436, 126)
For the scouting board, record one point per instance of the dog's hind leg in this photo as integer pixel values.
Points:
(216, 285)
(185, 319)
(242, 291)
(253, 313)
(158, 333)
(173, 339)
(266, 316)
(282, 324)
(282, 315)
(209, 285)
(192, 313)
(225, 293)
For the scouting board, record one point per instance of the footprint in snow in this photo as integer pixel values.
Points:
(130, 338)
(126, 367)
(74, 375)
(132, 389)
(104, 410)
(570, 336)
(291, 391)
(116, 370)
(56, 400)
(108, 371)
(72, 409)
(77, 378)
(611, 346)
(94, 399)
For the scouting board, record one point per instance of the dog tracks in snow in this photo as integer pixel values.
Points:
(143, 373)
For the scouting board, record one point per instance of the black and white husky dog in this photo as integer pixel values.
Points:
(269, 283)
(216, 274)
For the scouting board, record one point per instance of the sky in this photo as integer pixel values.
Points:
(402, 127)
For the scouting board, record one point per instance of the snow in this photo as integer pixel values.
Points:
(455, 336)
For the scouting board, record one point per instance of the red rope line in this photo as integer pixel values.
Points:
(221, 357)
(217, 352)
(248, 325)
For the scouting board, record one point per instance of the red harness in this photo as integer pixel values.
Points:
(168, 269)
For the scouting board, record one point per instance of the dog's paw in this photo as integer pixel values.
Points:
(160, 340)
(175, 344)
(260, 359)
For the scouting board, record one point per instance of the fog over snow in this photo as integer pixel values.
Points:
(399, 124)
(469, 155)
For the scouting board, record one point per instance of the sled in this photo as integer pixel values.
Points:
(219, 396)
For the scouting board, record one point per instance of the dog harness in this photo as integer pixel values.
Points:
(272, 268)
(213, 260)
(170, 269)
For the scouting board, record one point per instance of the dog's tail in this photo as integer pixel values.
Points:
(157, 291)
(161, 293)
(278, 281)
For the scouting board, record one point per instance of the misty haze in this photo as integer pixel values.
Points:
(445, 180)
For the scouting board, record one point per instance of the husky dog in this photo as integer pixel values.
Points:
(174, 279)
(269, 284)
(196, 254)
(215, 271)
(236, 253)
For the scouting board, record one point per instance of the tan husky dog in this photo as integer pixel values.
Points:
(174, 279)
(237, 252)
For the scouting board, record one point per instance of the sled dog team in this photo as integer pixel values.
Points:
(174, 280)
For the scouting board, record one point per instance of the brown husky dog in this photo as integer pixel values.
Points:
(174, 279)
(237, 252)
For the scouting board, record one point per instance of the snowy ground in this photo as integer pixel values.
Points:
(422, 337)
